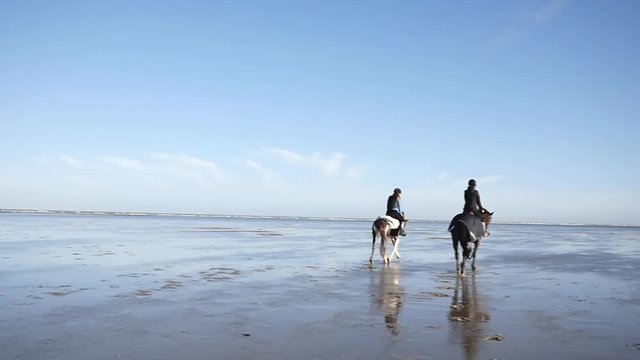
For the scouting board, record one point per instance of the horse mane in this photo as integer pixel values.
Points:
(486, 216)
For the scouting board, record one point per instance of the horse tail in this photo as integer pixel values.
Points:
(382, 227)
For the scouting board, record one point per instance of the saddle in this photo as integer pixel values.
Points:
(394, 224)
(473, 223)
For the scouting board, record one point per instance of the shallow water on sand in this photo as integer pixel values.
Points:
(166, 287)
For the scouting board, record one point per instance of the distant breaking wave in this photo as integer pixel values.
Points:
(273, 217)
(140, 213)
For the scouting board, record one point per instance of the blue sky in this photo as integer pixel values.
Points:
(321, 108)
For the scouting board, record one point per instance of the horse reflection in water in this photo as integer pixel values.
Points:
(468, 315)
(389, 296)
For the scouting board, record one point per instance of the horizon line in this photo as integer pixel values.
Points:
(178, 214)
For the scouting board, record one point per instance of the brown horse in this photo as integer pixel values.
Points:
(387, 228)
(468, 230)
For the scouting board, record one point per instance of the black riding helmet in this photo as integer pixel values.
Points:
(397, 191)
(472, 182)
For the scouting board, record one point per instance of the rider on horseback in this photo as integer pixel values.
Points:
(394, 210)
(472, 200)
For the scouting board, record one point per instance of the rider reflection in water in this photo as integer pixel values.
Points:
(390, 297)
(469, 314)
(395, 211)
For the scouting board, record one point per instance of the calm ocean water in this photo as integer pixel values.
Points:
(39, 241)
(96, 246)
(565, 287)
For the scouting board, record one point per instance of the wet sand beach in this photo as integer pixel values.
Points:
(120, 287)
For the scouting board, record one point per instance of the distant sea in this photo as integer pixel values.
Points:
(180, 238)
(236, 216)
(197, 283)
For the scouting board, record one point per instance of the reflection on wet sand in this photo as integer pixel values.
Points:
(389, 296)
(468, 314)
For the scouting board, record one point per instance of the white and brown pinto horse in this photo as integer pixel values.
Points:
(387, 228)
(468, 229)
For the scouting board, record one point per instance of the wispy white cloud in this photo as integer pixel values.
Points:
(123, 163)
(549, 11)
(287, 155)
(490, 179)
(70, 160)
(353, 173)
(204, 173)
(329, 165)
(171, 180)
(267, 175)
(442, 176)
(186, 165)
(74, 162)
(159, 168)
(529, 20)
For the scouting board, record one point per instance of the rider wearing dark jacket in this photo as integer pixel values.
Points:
(472, 199)
(394, 210)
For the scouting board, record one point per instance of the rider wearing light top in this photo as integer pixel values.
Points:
(395, 211)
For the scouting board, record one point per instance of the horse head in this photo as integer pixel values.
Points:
(486, 217)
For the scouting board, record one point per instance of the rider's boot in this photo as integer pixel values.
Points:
(402, 232)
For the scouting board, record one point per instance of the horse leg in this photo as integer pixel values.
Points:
(396, 245)
(387, 258)
(373, 245)
(464, 262)
(473, 257)
(460, 237)
(454, 240)
(464, 244)
(383, 248)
